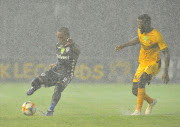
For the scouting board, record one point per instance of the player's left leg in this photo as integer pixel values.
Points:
(55, 99)
(43, 79)
(152, 70)
(59, 88)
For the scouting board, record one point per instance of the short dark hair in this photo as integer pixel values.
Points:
(64, 30)
(145, 18)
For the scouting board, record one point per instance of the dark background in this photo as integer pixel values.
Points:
(28, 35)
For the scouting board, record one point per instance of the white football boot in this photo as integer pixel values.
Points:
(136, 113)
(149, 107)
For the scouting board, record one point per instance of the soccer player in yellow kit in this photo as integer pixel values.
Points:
(152, 43)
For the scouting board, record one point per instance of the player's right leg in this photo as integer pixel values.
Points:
(47, 79)
(138, 88)
(36, 84)
(143, 79)
(150, 106)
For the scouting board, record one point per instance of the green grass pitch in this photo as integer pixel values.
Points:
(89, 105)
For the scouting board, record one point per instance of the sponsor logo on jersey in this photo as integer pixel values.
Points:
(62, 57)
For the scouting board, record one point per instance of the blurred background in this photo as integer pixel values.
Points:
(28, 37)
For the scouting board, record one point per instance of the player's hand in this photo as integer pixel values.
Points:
(69, 40)
(119, 47)
(165, 77)
(51, 65)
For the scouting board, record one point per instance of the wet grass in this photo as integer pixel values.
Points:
(89, 105)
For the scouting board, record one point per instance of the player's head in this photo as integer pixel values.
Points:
(63, 34)
(144, 22)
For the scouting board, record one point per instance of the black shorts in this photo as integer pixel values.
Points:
(51, 78)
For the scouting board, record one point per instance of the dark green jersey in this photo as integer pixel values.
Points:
(66, 59)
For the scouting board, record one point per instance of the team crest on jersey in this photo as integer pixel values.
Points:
(145, 38)
(67, 49)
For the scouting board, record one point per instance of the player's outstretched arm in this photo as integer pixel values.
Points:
(134, 41)
(165, 76)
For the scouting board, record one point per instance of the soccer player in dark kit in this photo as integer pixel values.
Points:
(60, 73)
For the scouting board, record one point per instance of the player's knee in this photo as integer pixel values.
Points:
(60, 87)
(135, 88)
(36, 82)
(135, 91)
(144, 78)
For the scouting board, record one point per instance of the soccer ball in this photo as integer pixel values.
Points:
(28, 108)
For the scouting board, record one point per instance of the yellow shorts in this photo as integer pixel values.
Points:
(152, 69)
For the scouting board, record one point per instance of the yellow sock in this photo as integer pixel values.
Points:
(140, 98)
(148, 99)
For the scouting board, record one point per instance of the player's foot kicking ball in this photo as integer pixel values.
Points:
(149, 108)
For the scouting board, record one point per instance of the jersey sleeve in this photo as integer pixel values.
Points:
(73, 61)
(161, 43)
